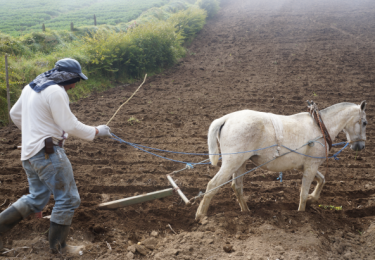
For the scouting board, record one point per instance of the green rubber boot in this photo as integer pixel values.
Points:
(8, 219)
(57, 237)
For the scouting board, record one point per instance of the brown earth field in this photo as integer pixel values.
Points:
(268, 55)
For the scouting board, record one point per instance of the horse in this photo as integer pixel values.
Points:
(249, 130)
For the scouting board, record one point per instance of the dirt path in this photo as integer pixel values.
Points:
(269, 56)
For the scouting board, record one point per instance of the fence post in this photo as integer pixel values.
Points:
(7, 81)
(94, 20)
(71, 26)
(43, 28)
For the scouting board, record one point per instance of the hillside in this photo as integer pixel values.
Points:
(19, 17)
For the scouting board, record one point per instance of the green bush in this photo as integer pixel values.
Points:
(189, 22)
(15, 91)
(47, 41)
(159, 46)
(145, 48)
(12, 46)
(211, 6)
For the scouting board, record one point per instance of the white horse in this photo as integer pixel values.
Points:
(248, 130)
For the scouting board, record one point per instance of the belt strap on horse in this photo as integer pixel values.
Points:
(315, 113)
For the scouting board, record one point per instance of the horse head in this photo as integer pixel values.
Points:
(355, 129)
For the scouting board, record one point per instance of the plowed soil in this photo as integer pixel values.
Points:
(268, 56)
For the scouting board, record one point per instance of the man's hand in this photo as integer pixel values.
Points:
(103, 130)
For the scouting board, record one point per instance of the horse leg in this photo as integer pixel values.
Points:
(308, 177)
(315, 195)
(223, 175)
(237, 186)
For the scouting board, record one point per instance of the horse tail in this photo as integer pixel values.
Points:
(214, 137)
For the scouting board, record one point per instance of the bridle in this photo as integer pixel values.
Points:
(362, 123)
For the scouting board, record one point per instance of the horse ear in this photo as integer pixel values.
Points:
(363, 105)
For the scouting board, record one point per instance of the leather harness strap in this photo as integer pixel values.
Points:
(314, 112)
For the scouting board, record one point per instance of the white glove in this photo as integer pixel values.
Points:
(103, 130)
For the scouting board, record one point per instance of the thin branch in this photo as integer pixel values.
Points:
(171, 228)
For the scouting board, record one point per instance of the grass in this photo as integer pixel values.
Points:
(19, 17)
(132, 120)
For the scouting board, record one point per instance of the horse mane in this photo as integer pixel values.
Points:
(343, 104)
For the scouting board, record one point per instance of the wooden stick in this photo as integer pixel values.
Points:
(15, 249)
(8, 94)
(176, 188)
(5, 201)
(136, 199)
(109, 246)
(128, 99)
(171, 228)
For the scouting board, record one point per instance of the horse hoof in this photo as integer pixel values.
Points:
(199, 217)
(311, 201)
(73, 250)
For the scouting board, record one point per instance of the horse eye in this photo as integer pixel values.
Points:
(365, 123)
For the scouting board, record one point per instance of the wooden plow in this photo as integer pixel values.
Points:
(148, 196)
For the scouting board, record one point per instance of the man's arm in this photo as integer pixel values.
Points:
(63, 117)
(16, 113)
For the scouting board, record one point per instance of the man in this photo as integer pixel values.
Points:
(42, 113)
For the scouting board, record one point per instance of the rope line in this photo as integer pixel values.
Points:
(198, 154)
(169, 159)
(339, 143)
(188, 166)
(334, 156)
(140, 147)
(127, 100)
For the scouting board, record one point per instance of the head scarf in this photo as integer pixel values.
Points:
(53, 77)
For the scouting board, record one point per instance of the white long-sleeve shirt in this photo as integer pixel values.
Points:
(46, 114)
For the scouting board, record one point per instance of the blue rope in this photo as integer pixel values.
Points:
(280, 177)
(339, 144)
(187, 164)
(333, 156)
(191, 164)
(203, 154)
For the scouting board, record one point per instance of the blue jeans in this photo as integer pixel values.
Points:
(53, 175)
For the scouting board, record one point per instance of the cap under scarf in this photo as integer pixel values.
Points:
(53, 77)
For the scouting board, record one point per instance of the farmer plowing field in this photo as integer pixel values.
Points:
(42, 113)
